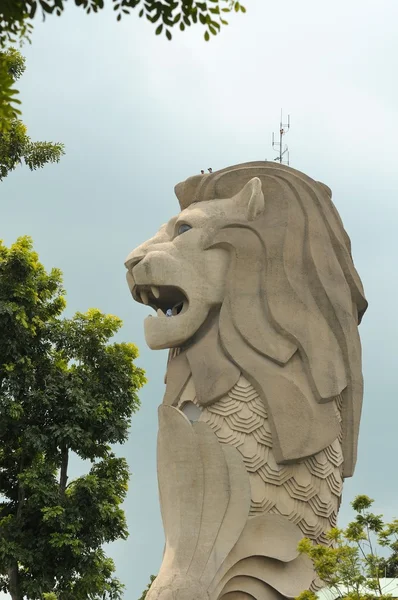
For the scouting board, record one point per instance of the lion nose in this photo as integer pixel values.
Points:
(133, 260)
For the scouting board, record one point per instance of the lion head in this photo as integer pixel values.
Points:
(257, 267)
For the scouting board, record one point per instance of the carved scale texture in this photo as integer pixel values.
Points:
(307, 493)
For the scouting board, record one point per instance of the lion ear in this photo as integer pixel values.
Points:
(252, 199)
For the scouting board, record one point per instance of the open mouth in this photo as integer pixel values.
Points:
(166, 300)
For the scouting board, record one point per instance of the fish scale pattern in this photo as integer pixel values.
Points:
(307, 493)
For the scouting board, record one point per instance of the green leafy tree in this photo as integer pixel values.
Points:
(390, 539)
(16, 147)
(353, 566)
(12, 65)
(64, 389)
(144, 593)
(16, 24)
(16, 17)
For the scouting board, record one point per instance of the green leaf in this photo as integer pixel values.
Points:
(159, 29)
(207, 36)
(45, 6)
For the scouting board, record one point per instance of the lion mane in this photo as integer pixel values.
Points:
(289, 320)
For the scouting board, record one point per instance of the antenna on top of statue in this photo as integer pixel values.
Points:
(279, 147)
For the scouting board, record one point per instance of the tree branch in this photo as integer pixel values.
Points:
(13, 581)
(21, 490)
(63, 479)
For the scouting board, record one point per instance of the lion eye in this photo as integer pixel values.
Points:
(183, 228)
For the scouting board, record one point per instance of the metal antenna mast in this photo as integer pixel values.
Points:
(283, 150)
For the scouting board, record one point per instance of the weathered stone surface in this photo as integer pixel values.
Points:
(261, 413)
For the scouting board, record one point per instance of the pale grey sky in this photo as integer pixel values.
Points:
(138, 114)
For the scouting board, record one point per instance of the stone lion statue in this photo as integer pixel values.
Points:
(257, 298)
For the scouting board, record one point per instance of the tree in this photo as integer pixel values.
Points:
(16, 24)
(144, 593)
(16, 17)
(12, 65)
(15, 145)
(64, 389)
(352, 566)
(390, 565)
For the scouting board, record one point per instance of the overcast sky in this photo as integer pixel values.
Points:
(138, 114)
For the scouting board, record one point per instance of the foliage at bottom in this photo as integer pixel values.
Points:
(358, 558)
